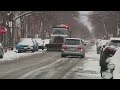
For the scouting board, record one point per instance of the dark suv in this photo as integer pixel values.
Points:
(108, 51)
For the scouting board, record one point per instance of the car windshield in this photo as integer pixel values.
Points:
(72, 42)
(115, 43)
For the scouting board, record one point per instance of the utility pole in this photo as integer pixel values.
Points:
(3, 37)
(106, 32)
(41, 28)
(10, 15)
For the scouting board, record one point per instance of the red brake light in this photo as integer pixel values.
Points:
(81, 49)
(66, 27)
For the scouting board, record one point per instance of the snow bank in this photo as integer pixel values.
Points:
(92, 62)
(116, 60)
(12, 55)
(90, 68)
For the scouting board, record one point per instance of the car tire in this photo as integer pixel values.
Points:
(33, 51)
(42, 48)
(62, 55)
(82, 56)
(19, 51)
(98, 52)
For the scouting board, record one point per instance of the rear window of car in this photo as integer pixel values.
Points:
(72, 42)
(115, 43)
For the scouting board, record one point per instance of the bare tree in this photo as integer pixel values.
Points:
(105, 22)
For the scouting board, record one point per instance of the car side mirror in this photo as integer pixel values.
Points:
(106, 75)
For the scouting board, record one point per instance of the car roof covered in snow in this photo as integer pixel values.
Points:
(114, 38)
(75, 38)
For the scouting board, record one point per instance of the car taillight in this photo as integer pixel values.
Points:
(112, 50)
(79, 48)
(64, 47)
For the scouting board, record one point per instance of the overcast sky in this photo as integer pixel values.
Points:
(84, 19)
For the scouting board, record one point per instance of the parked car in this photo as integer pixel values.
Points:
(1, 51)
(113, 67)
(26, 44)
(108, 51)
(100, 45)
(40, 43)
(73, 47)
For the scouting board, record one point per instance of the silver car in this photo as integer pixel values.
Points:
(73, 47)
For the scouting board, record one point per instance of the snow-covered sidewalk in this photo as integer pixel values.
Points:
(91, 64)
(12, 55)
(91, 68)
(92, 61)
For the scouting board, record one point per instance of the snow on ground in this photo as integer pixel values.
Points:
(12, 55)
(92, 62)
(91, 68)
(116, 61)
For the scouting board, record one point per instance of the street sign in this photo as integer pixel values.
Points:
(3, 30)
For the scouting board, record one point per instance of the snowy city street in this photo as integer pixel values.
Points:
(59, 44)
(36, 66)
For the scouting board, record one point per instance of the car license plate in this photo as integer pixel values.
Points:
(72, 48)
